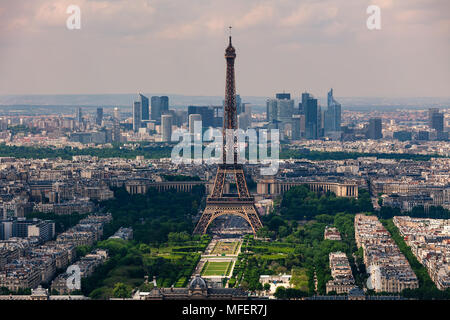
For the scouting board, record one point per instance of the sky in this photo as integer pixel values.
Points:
(177, 47)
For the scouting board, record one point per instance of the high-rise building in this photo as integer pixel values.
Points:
(302, 105)
(159, 106)
(374, 130)
(298, 126)
(116, 132)
(116, 113)
(283, 96)
(332, 116)
(280, 109)
(238, 105)
(192, 119)
(436, 119)
(285, 110)
(79, 115)
(311, 116)
(244, 121)
(166, 127)
(99, 117)
(207, 114)
(272, 109)
(137, 113)
(144, 106)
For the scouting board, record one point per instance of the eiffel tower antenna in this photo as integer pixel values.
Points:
(219, 203)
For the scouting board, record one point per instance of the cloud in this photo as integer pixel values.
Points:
(311, 14)
(183, 37)
(257, 15)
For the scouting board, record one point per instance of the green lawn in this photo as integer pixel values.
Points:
(224, 248)
(300, 279)
(215, 268)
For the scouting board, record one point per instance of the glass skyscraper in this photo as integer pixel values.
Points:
(145, 108)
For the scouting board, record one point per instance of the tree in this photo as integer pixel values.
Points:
(122, 290)
(266, 286)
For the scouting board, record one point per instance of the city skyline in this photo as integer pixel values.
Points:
(152, 196)
(310, 46)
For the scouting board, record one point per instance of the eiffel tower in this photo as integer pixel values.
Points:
(219, 203)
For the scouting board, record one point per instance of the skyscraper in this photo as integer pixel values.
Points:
(99, 117)
(374, 130)
(144, 106)
(166, 127)
(238, 104)
(207, 114)
(311, 116)
(159, 106)
(283, 96)
(192, 119)
(332, 116)
(79, 115)
(116, 113)
(272, 109)
(285, 109)
(436, 119)
(298, 125)
(302, 105)
(280, 109)
(137, 114)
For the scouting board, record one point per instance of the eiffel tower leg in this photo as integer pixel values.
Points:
(253, 218)
(205, 219)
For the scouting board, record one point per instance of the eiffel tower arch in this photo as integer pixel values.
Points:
(219, 203)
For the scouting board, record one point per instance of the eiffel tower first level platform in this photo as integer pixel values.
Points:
(218, 203)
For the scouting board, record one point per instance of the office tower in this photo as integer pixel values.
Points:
(374, 130)
(248, 109)
(166, 127)
(436, 119)
(285, 110)
(99, 117)
(431, 111)
(192, 119)
(144, 106)
(272, 110)
(238, 105)
(155, 109)
(164, 104)
(159, 106)
(302, 105)
(79, 115)
(402, 135)
(332, 116)
(244, 107)
(243, 121)
(283, 96)
(311, 116)
(137, 113)
(116, 113)
(298, 124)
(179, 117)
(207, 114)
(280, 109)
(116, 132)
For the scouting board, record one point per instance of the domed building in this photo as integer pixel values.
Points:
(197, 290)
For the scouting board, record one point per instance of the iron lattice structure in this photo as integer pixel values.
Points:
(219, 203)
